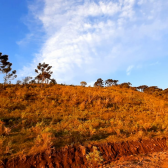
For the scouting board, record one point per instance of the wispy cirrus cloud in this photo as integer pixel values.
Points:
(85, 39)
(129, 69)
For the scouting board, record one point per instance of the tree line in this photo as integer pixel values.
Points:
(44, 73)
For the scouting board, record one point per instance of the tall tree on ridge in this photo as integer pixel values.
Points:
(109, 82)
(99, 83)
(5, 67)
(44, 72)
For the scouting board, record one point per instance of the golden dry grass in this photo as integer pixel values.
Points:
(34, 118)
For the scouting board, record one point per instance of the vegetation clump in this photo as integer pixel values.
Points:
(94, 158)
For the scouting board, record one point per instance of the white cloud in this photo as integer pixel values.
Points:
(140, 66)
(129, 69)
(88, 38)
(24, 41)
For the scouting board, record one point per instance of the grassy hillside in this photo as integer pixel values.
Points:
(34, 118)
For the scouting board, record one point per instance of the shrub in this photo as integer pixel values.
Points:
(94, 158)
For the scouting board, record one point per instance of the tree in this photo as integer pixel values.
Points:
(83, 83)
(5, 67)
(142, 87)
(53, 81)
(32, 81)
(18, 82)
(3, 62)
(98, 83)
(129, 83)
(115, 82)
(44, 72)
(9, 76)
(27, 79)
(125, 85)
(109, 82)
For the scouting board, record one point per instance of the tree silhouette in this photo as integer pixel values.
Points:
(53, 81)
(83, 83)
(3, 61)
(33, 81)
(44, 72)
(18, 82)
(109, 82)
(9, 76)
(142, 87)
(125, 85)
(5, 67)
(99, 83)
(27, 79)
(115, 82)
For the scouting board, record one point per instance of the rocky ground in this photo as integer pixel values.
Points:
(152, 160)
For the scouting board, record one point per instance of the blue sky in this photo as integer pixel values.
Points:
(86, 39)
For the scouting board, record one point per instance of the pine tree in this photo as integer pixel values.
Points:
(5, 68)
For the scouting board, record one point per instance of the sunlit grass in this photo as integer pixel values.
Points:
(33, 119)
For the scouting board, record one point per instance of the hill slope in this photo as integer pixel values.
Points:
(33, 119)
